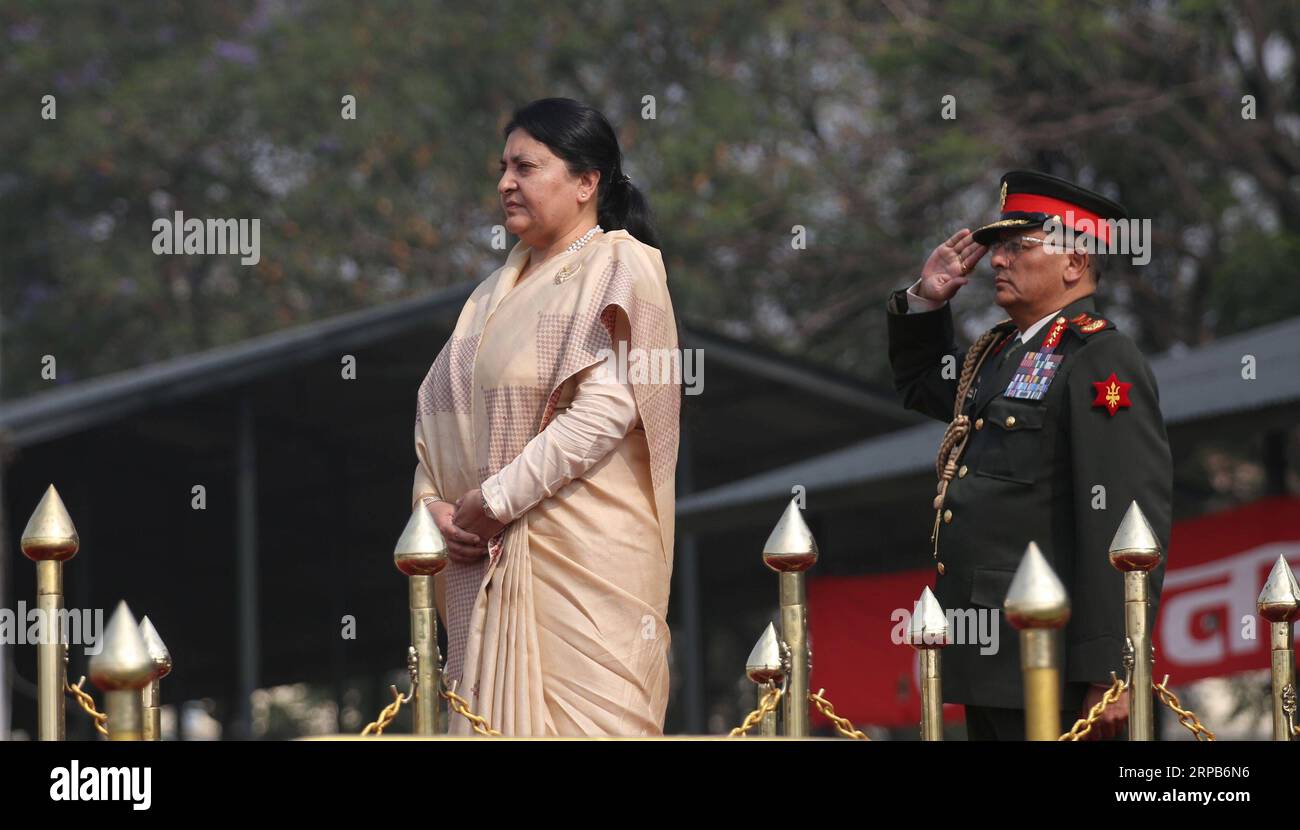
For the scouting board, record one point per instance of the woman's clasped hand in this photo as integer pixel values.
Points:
(465, 527)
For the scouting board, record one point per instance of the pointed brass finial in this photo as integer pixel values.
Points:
(159, 656)
(124, 662)
(929, 625)
(791, 546)
(764, 663)
(421, 550)
(1135, 546)
(1280, 599)
(50, 533)
(1036, 598)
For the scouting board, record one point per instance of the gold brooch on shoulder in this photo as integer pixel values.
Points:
(566, 273)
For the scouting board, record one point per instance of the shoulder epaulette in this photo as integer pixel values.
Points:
(1085, 325)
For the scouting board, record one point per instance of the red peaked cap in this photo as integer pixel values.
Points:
(1029, 199)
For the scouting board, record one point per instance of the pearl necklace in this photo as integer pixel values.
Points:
(577, 244)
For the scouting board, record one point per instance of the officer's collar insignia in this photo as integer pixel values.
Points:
(1112, 394)
(1054, 335)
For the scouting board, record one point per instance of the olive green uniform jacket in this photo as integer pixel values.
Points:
(1060, 471)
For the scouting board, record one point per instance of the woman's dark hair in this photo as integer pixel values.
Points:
(584, 139)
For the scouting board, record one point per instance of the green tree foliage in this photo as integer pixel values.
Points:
(768, 116)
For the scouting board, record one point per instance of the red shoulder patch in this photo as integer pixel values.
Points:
(1112, 393)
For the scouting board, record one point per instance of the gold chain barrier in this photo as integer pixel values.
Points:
(454, 701)
(461, 706)
(1185, 716)
(765, 707)
(87, 705)
(1084, 725)
(842, 725)
(389, 712)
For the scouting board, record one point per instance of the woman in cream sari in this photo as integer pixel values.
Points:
(548, 470)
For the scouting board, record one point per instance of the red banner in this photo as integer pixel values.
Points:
(1208, 624)
(853, 622)
(1207, 627)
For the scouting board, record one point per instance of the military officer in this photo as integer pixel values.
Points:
(1057, 431)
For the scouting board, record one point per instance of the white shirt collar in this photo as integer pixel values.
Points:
(1036, 327)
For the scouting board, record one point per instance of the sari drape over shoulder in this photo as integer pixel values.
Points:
(562, 628)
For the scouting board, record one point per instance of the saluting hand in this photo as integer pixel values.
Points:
(944, 273)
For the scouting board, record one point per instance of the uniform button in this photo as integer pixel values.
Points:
(947, 517)
(1011, 421)
(979, 423)
(962, 472)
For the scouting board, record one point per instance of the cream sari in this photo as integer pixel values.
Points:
(561, 629)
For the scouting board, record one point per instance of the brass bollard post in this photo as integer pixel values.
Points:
(927, 633)
(151, 698)
(49, 540)
(791, 550)
(1279, 603)
(767, 669)
(421, 553)
(121, 670)
(1037, 605)
(1135, 550)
